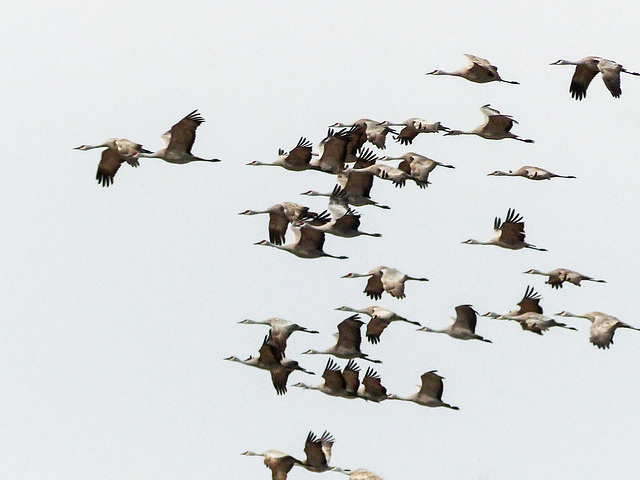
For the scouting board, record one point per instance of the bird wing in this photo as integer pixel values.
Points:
(466, 318)
(499, 123)
(350, 375)
(512, 229)
(349, 221)
(278, 224)
(393, 283)
(611, 76)
(580, 81)
(375, 327)
(183, 133)
(334, 152)
(406, 135)
(349, 334)
(301, 154)
(314, 448)
(374, 287)
(332, 376)
(311, 238)
(359, 183)
(279, 378)
(372, 384)
(601, 335)
(269, 353)
(530, 302)
(109, 164)
(556, 279)
(431, 384)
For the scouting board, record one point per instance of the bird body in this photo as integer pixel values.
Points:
(385, 279)
(430, 393)
(495, 127)
(560, 275)
(179, 141)
(603, 327)
(588, 68)
(508, 234)
(463, 326)
(532, 173)
(478, 70)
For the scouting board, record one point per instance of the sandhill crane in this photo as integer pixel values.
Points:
(413, 127)
(348, 343)
(179, 141)
(463, 326)
(278, 462)
(430, 393)
(336, 383)
(356, 184)
(346, 225)
(479, 70)
(296, 160)
(117, 151)
(380, 319)
(387, 172)
(589, 67)
(535, 321)
(560, 275)
(385, 279)
(372, 388)
(271, 358)
(530, 303)
(308, 243)
(508, 234)
(318, 451)
(280, 330)
(333, 152)
(495, 127)
(532, 173)
(603, 327)
(418, 167)
(280, 216)
(376, 132)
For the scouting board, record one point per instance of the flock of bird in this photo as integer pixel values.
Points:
(343, 154)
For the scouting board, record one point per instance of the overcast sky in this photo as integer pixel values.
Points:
(119, 304)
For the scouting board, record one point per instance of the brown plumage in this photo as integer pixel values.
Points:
(508, 234)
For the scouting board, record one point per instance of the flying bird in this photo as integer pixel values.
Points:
(418, 167)
(532, 173)
(385, 279)
(278, 462)
(479, 70)
(463, 326)
(297, 160)
(530, 303)
(496, 126)
(603, 327)
(508, 234)
(560, 275)
(430, 393)
(380, 320)
(348, 342)
(588, 68)
(318, 451)
(280, 330)
(415, 126)
(308, 243)
(116, 151)
(336, 383)
(179, 141)
(280, 216)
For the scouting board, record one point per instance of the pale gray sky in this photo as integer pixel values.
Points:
(120, 303)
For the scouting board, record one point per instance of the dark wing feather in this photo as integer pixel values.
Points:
(406, 135)
(349, 334)
(466, 317)
(375, 327)
(530, 302)
(109, 164)
(580, 81)
(183, 133)
(374, 287)
(431, 384)
(350, 374)
(301, 154)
